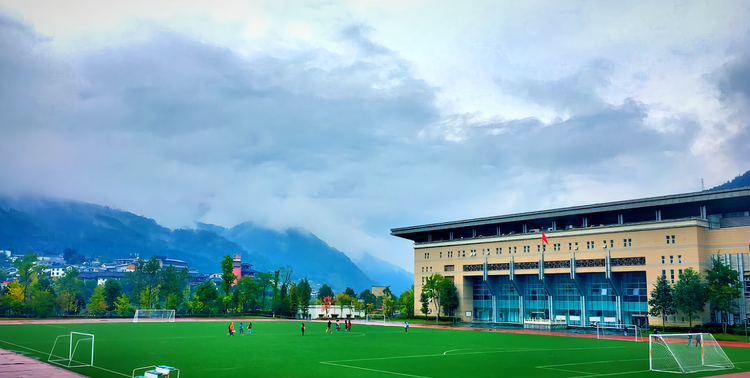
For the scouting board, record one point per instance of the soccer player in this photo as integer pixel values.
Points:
(249, 328)
(690, 339)
(406, 327)
(625, 330)
(338, 326)
(329, 327)
(241, 328)
(231, 329)
(303, 329)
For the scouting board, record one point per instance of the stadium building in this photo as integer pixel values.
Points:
(601, 262)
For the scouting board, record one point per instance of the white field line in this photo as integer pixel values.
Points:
(47, 354)
(555, 367)
(375, 370)
(610, 374)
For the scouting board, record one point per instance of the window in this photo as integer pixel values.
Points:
(422, 281)
(672, 239)
(426, 256)
(664, 273)
(463, 253)
(587, 245)
(680, 273)
(626, 242)
(441, 255)
(473, 252)
(449, 268)
(667, 239)
(556, 246)
(671, 259)
(604, 244)
(679, 259)
(671, 271)
(422, 269)
(662, 259)
(483, 251)
(498, 251)
(570, 246)
(576, 246)
(430, 269)
(514, 249)
(611, 244)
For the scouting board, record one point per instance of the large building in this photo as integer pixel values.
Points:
(601, 262)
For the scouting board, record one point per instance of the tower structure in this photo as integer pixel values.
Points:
(237, 268)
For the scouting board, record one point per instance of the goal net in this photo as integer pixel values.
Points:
(153, 315)
(686, 353)
(619, 332)
(73, 350)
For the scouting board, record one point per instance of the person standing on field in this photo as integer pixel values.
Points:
(329, 327)
(249, 328)
(240, 328)
(338, 326)
(406, 327)
(303, 329)
(231, 329)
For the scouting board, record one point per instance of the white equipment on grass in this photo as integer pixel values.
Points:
(79, 351)
(686, 353)
(156, 371)
(619, 331)
(156, 315)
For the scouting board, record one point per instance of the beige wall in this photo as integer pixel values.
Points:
(693, 242)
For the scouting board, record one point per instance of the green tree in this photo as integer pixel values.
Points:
(70, 288)
(196, 306)
(662, 300)
(207, 294)
(449, 299)
(264, 280)
(303, 293)
(41, 302)
(388, 305)
(325, 291)
(367, 297)
(112, 291)
(122, 305)
(424, 298)
(350, 292)
(72, 256)
(247, 291)
(25, 265)
(690, 295)
(435, 288)
(227, 275)
(724, 288)
(152, 277)
(172, 282)
(293, 299)
(406, 300)
(342, 300)
(98, 303)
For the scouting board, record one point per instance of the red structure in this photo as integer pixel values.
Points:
(237, 268)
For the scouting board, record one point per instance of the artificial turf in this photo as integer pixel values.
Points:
(277, 349)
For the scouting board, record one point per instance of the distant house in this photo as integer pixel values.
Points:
(248, 271)
(378, 290)
(57, 270)
(101, 277)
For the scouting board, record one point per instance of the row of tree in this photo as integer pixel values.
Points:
(721, 288)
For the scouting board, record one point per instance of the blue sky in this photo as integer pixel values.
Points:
(349, 118)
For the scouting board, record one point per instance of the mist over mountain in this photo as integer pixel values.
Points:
(49, 226)
(385, 273)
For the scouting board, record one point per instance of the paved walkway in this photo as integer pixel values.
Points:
(14, 365)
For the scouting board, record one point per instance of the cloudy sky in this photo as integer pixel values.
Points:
(349, 118)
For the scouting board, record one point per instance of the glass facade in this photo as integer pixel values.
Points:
(600, 305)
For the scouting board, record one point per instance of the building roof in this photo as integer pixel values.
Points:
(677, 206)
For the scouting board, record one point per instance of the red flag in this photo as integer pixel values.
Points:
(544, 238)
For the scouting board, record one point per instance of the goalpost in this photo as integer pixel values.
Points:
(141, 315)
(79, 346)
(619, 331)
(686, 353)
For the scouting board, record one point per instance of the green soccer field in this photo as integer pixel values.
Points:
(277, 349)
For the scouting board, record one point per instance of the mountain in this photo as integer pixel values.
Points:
(737, 182)
(308, 255)
(50, 226)
(386, 273)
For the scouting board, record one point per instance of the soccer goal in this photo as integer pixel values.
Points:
(686, 353)
(155, 315)
(619, 331)
(78, 351)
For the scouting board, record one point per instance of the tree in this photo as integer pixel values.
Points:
(25, 266)
(98, 303)
(406, 300)
(246, 291)
(264, 280)
(449, 298)
(434, 287)
(387, 292)
(350, 292)
(387, 305)
(112, 291)
(724, 288)
(122, 305)
(342, 300)
(367, 297)
(325, 291)
(72, 256)
(303, 294)
(15, 297)
(293, 299)
(196, 306)
(67, 302)
(171, 286)
(327, 301)
(424, 298)
(227, 276)
(70, 288)
(690, 295)
(206, 292)
(662, 300)
(42, 302)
